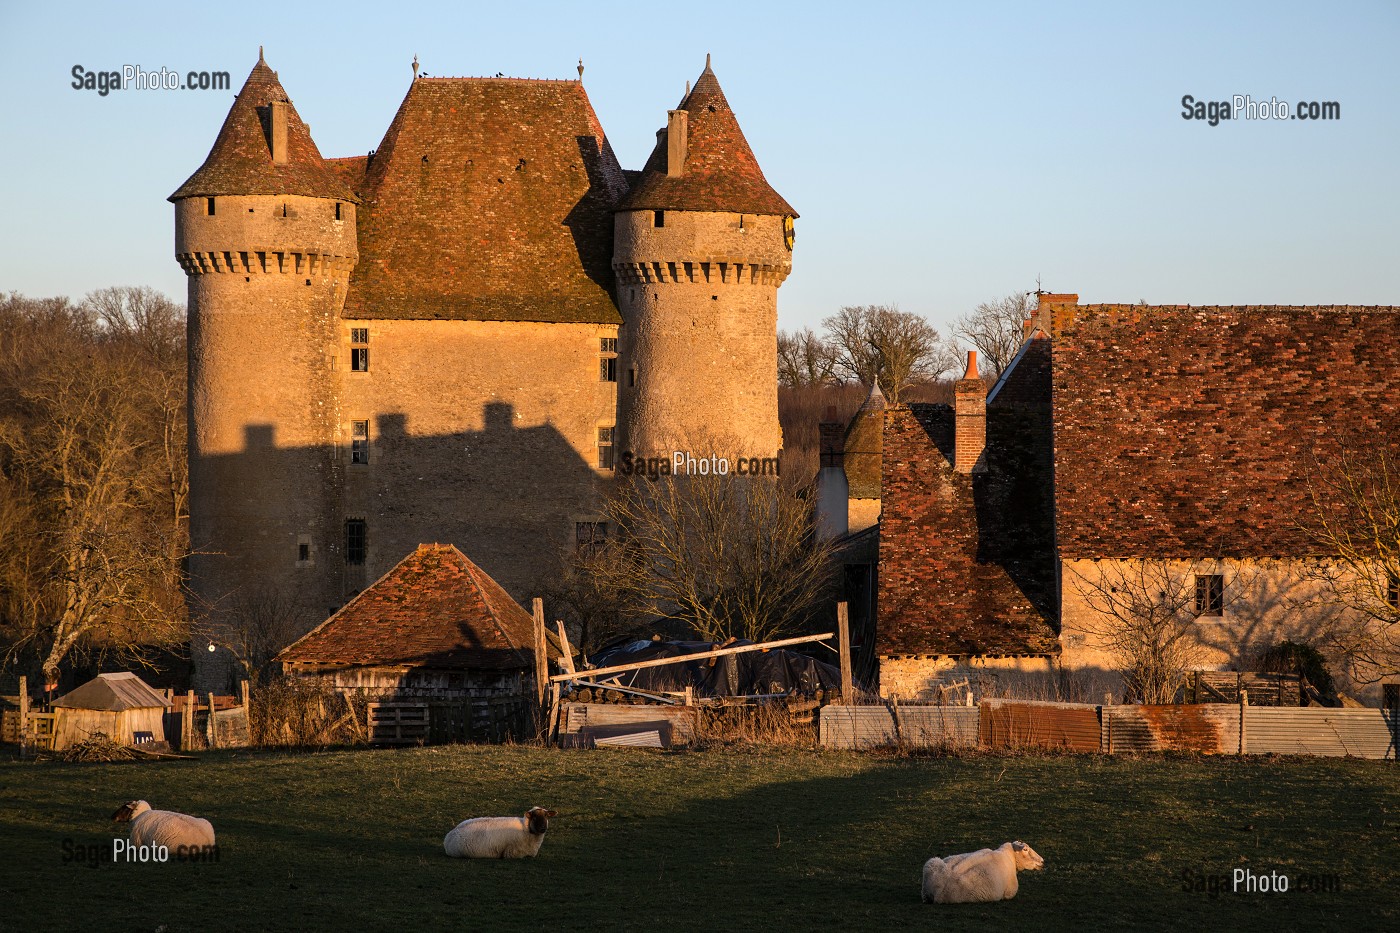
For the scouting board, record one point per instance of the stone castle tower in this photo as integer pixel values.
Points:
(454, 338)
(702, 244)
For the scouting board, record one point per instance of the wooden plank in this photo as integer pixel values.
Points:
(541, 657)
(23, 711)
(698, 656)
(213, 730)
(564, 644)
(843, 629)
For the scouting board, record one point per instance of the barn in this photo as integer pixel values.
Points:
(122, 705)
(435, 626)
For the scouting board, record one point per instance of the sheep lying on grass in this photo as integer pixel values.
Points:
(499, 836)
(178, 832)
(984, 875)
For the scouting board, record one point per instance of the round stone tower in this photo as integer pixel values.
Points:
(265, 232)
(701, 245)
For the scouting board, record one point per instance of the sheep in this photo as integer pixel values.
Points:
(984, 875)
(499, 836)
(183, 835)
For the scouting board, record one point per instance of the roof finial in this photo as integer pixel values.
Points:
(707, 61)
(687, 87)
(580, 69)
(260, 57)
(415, 64)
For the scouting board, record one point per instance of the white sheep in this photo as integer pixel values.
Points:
(180, 833)
(984, 875)
(499, 836)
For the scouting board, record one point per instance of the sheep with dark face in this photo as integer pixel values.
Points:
(984, 875)
(499, 836)
(178, 832)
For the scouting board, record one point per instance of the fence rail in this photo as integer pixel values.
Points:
(1207, 728)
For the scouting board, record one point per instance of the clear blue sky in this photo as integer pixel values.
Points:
(939, 154)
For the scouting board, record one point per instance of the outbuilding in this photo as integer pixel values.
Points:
(122, 706)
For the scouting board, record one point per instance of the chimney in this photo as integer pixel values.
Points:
(1057, 312)
(833, 491)
(677, 138)
(279, 131)
(970, 418)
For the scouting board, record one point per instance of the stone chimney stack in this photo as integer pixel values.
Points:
(677, 139)
(278, 130)
(970, 418)
(833, 491)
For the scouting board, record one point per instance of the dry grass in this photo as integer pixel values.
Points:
(305, 712)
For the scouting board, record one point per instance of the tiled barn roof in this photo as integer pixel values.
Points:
(720, 173)
(489, 199)
(1192, 431)
(435, 609)
(241, 160)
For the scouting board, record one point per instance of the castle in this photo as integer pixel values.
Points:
(457, 337)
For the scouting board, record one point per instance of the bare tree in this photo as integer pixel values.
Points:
(1144, 615)
(995, 329)
(95, 466)
(1354, 527)
(257, 623)
(731, 557)
(804, 359)
(584, 597)
(880, 341)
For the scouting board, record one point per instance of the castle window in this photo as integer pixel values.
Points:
(356, 541)
(1210, 594)
(337, 211)
(631, 377)
(658, 218)
(303, 553)
(590, 536)
(605, 448)
(359, 349)
(209, 206)
(359, 442)
(607, 363)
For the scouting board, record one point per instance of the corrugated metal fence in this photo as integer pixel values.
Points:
(1208, 728)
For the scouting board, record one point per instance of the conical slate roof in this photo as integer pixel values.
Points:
(864, 445)
(435, 608)
(720, 173)
(241, 160)
(113, 692)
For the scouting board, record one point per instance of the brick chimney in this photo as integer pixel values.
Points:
(833, 492)
(1056, 312)
(970, 418)
(677, 139)
(278, 131)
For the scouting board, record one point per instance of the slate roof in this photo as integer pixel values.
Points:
(435, 609)
(942, 588)
(1192, 431)
(240, 161)
(488, 199)
(113, 692)
(720, 172)
(862, 446)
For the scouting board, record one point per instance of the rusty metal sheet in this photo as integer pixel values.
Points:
(1195, 728)
(1072, 726)
(917, 726)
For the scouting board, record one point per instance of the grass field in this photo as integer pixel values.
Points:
(712, 840)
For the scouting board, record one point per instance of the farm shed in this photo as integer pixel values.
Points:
(121, 705)
(436, 626)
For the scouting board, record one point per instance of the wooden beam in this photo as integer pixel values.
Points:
(698, 656)
(564, 644)
(213, 725)
(23, 712)
(541, 657)
(843, 629)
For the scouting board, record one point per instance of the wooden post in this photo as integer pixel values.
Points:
(555, 707)
(23, 712)
(213, 726)
(187, 723)
(1244, 702)
(541, 657)
(243, 689)
(568, 652)
(689, 694)
(843, 634)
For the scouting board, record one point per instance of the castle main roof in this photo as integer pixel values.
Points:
(488, 199)
(240, 161)
(720, 173)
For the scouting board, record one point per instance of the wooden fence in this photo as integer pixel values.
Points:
(1207, 728)
(437, 722)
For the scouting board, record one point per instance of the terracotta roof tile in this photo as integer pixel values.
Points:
(720, 173)
(1190, 431)
(489, 199)
(434, 609)
(862, 446)
(241, 160)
